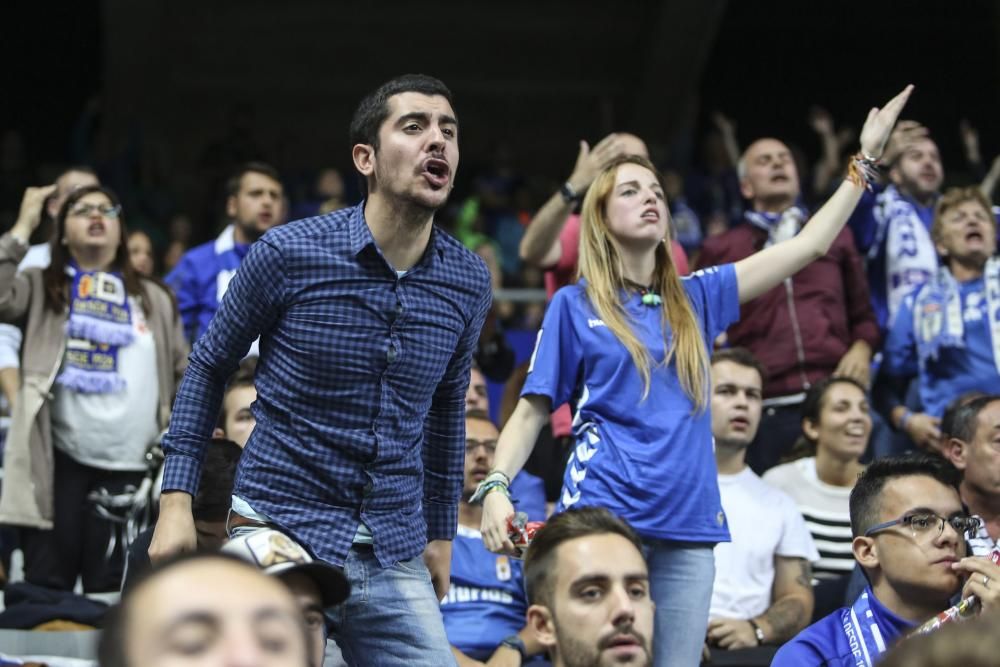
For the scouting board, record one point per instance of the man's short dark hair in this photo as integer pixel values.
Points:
(741, 357)
(111, 644)
(478, 414)
(374, 108)
(215, 490)
(866, 497)
(236, 180)
(242, 377)
(961, 419)
(540, 567)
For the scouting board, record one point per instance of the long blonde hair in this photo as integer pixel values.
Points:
(601, 265)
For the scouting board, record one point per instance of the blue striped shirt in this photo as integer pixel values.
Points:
(360, 385)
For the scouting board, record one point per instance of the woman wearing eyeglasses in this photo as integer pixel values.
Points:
(836, 425)
(102, 355)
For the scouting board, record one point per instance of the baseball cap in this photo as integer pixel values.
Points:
(277, 554)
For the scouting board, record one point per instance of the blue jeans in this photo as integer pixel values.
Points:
(392, 616)
(681, 575)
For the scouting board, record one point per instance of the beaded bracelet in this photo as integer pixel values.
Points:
(863, 170)
(495, 481)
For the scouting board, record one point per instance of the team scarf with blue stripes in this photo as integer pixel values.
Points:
(779, 226)
(937, 313)
(100, 322)
(861, 628)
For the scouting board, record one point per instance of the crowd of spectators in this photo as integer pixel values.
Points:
(887, 343)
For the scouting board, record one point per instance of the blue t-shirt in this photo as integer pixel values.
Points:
(529, 492)
(956, 370)
(486, 602)
(649, 461)
(826, 643)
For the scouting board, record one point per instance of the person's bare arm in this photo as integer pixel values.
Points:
(793, 600)
(727, 130)
(505, 656)
(540, 243)
(10, 383)
(763, 270)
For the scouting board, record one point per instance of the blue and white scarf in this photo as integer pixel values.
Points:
(863, 634)
(937, 313)
(100, 322)
(779, 226)
(910, 256)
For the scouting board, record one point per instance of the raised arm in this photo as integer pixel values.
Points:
(762, 271)
(540, 243)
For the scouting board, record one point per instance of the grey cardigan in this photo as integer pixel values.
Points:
(27, 497)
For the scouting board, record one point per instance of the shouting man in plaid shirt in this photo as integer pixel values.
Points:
(368, 318)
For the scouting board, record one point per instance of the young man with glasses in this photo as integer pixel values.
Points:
(910, 531)
(484, 611)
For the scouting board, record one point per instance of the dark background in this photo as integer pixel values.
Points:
(165, 96)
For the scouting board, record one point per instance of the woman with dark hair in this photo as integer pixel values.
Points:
(836, 425)
(103, 352)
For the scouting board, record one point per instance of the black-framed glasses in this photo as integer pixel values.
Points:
(472, 445)
(84, 210)
(929, 523)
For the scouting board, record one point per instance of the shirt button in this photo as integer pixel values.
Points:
(368, 488)
(399, 309)
(390, 354)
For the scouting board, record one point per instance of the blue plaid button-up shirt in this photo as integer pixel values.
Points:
(360, 385)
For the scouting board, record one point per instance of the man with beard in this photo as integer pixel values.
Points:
(368, 318)
(485, 606)
(763, 589)
(815, 324)
(254, 196)
(892, 227)
(588, 587)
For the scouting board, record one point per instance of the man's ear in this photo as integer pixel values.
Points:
(540, 623)
(746, 189)
(865, 552)
(231, 206)
(218, 433)
(810, 430)
(957, 452)
(364, 158)
(895, 175)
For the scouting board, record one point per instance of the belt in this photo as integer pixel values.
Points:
(236, 520)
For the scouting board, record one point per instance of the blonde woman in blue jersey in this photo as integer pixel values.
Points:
(628, 347)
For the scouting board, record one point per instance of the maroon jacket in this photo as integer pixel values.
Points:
(800, 329)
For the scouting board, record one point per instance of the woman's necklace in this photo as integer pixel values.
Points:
(649, 296)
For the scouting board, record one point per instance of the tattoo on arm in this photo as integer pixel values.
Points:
(805, 574)
(792, 599)
(786, 617)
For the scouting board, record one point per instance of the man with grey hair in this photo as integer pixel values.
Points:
(817, 323)
(972, 448)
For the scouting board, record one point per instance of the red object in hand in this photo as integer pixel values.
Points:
(521, 532)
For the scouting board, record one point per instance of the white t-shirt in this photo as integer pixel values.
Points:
(826, 509)
(764, 523)
(112, 431)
